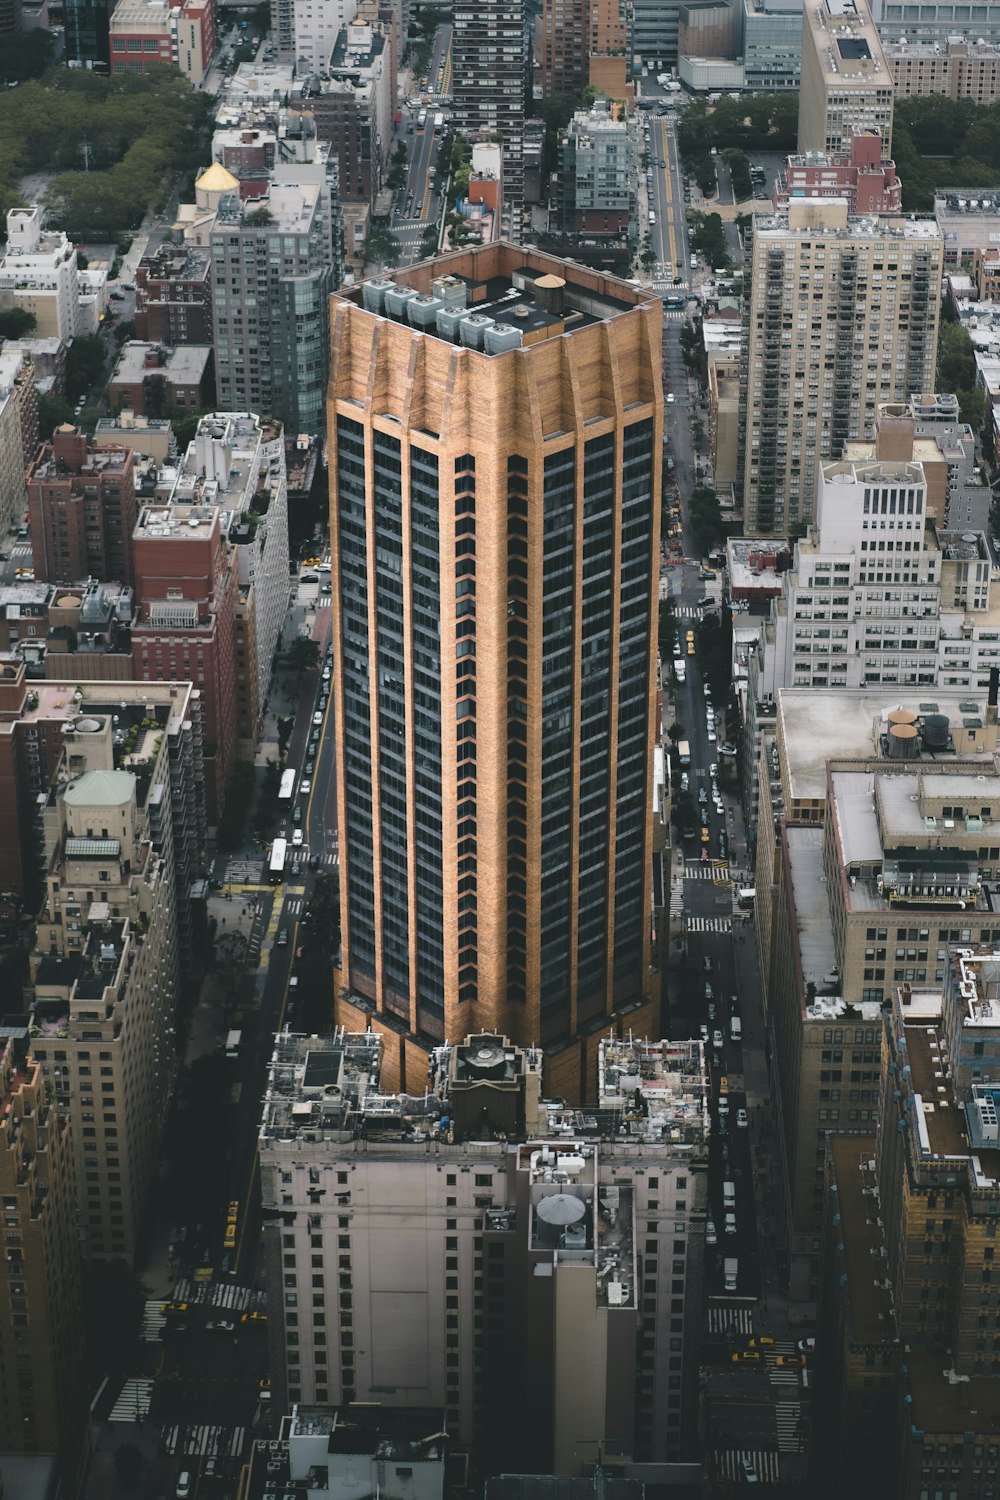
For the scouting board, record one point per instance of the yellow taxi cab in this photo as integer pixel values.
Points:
(705, 835)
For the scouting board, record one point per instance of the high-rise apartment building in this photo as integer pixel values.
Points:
(495, 452)
(934, 21)
(187, 585)
(173, 295)
(272, 273)
(353, 105)
(875, 853)
(841, 316)
(879, 593)
(846, 84)
(490, 82)
(82, 505)
(585, 44)
(236, 462)
(18, 432)
(119, 836)
(475, 1249)
(910, 1308)
(598, 178)
(42, 1398)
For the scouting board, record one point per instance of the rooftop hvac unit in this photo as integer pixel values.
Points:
(396, 299)
(373, 294)
(452, 291)
(472, 330)
(448, 321)
(423, 311)
(500, 339)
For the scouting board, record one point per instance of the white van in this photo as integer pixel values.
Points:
(652, 217)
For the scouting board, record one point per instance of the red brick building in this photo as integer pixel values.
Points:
(173, 296)
(150, 378)
(81, 502)
(184, 627)
(869, 184)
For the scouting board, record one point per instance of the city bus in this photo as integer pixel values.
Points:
(276, 869)
(286, 791)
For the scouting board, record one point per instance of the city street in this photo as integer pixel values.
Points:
(707, 926)
(666, 200)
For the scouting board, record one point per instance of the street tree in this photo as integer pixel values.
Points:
(302, 654)
(231, 962)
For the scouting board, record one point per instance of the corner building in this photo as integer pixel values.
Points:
(495, 446)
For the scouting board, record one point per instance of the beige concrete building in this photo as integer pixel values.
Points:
(473, 1248)
(18, 433)
(42, 1395)
(846, 84)
(961, 68)
(106, 964)
(495, 421)
(875, 854)
(40, 273)
(841, 315)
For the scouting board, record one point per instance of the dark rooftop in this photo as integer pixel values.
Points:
(945, 1123)
(859, 1236)
(59, 971)
(853, 49)
(942, 1407)
(497, 298)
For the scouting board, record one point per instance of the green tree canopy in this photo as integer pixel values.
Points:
(16, 322)
(302, 654)
(84, 363)
(139, 131)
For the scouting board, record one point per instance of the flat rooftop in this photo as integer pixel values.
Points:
(860, 1236)
(940, 1405)
(672, 1078)
(883, 231)
(185, 364)
(817, 952)
(816, 727)
(177, 263)
(472, 296)
(940, 1123)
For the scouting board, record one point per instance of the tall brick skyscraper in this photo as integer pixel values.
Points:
(495, 429)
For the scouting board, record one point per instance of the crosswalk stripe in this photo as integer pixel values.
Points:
(722, 1319)
(153, 1320)
(133, 1401)
(788, 1424)
(728, 1464)
(712, 869)
(709, 924)
(205, 1441)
